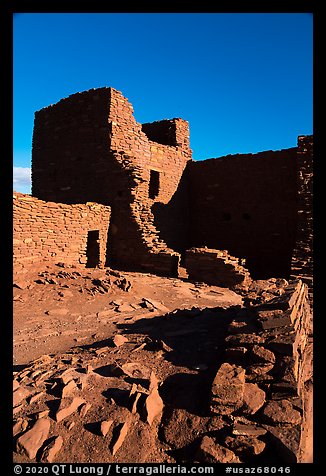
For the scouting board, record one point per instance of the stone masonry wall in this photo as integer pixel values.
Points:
(89, 147)
(246, 203)
(140, 156)
(263, 386)
(56, 232)
(302, 260)
(215, 267)
(134, 241)
(70, 151)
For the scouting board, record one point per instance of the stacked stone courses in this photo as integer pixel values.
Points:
(264, 382)
(56, 232)
(302, 264)
(111, 164)
(90, 148)
(215, 267)
(109, 191)
(247, 204)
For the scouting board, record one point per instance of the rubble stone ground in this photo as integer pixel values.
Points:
(114, 366)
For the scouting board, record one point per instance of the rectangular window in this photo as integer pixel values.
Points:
(93, 249)
(154, 184)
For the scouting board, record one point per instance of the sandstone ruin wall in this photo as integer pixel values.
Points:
(89, 147)
(246, 204)
(302, 257)
(56, 232)
(265, 377)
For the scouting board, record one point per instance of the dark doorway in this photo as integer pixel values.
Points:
(93, 249)
(154, 184)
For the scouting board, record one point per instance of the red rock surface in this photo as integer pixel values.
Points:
(161, 379)
(31, 441)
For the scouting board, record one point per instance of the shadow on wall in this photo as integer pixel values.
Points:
(172, 219)
(245, 204)
(122, 234)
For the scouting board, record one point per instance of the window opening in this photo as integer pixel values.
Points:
(154, 184)
(93, 249)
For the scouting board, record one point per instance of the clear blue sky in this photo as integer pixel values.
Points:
(242, 80)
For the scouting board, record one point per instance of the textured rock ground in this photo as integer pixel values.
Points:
(119, 367)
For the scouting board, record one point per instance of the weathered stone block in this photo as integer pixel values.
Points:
(253, 398)
(281, 411)
(211, 452)
(31, 441)
(227, 389)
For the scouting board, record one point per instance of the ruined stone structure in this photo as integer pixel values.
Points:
(89, 147)
(108, 191)
(246, 204)
(302, 256)
(216, 267)
(264, 379)
(56, 232)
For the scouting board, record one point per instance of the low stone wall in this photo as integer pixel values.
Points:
(48, 231)
(215, 267)
(302, 258)
(264, 383)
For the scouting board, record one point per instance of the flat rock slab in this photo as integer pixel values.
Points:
(253, 398)
(153, 405)
(245, 446)
(260, 369)
(35, 397)
(105, 426)
(244, 339)
(227, 389)
(65, 411)
(68, 375)
(52, 449)
(271, 319)
(19, 395)
(260, 354)
(235, 353)
(68, 388)
(156, 304)
(31, 441)
(211, 452)
(119, 340)
(61, 311)
(121, 437)
(247, 429)
(241, 327)
(125, 308)
(136, 370)
(20, 426)
(285, 344)
(281, 411)
(105, 313)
